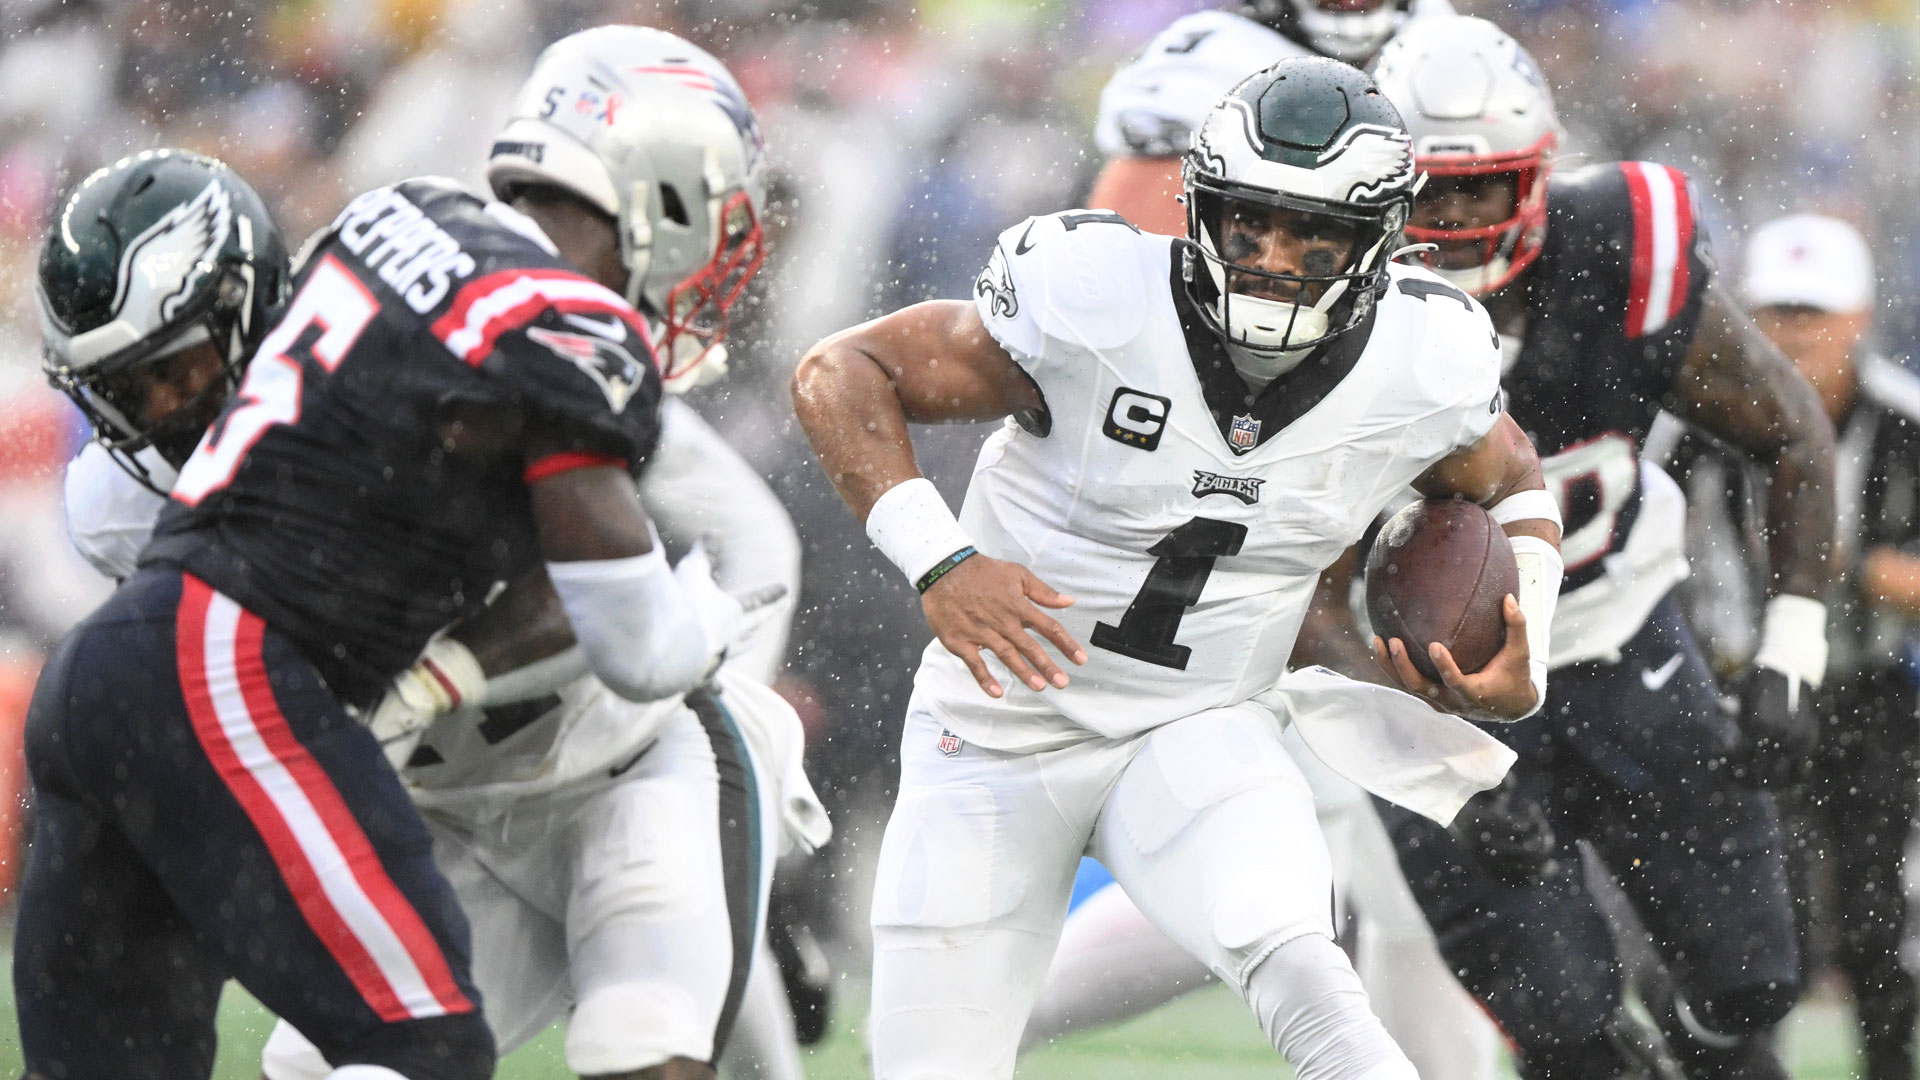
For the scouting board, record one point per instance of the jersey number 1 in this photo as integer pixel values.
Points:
(1186, 558)
(332, 299)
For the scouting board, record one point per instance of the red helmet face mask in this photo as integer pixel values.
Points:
(1506, 247)
(699, 307)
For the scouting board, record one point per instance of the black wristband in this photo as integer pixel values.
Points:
(941, 568)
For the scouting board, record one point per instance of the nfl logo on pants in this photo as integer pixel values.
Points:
(949, 743)
(1246, 432)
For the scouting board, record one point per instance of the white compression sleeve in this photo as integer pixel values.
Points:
(642, 635)
(1540, 572)
(538, 679)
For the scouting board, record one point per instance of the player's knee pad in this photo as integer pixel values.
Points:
(630, 1026)
(1309, 1002)
(456, 1047)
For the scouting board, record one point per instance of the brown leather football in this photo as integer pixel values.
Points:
(1437, 572)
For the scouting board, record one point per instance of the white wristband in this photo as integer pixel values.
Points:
(1793, 638)
(1540, 572)
(913, 528)
(1523, 505)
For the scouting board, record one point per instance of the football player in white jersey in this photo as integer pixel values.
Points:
(568, 817)
(1154, 102)
(1111, 963)
(1192, 430)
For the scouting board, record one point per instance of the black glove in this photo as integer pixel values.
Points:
(1507, 834)
(1777, 730)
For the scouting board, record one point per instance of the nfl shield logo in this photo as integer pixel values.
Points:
(1245, 433)
(949, 743)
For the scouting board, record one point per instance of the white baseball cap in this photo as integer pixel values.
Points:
(1808, 260)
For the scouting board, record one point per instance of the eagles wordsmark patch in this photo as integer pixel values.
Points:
(607, 363)
(1244, 488)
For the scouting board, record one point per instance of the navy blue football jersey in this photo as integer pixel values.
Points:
(1611, 305)
(364, 488)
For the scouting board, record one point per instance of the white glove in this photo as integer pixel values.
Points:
(444, 678)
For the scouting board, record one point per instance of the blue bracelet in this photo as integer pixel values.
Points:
(941, 568)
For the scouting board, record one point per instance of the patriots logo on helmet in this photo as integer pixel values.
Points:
(607, 363)
(724, 95)
(164, 264)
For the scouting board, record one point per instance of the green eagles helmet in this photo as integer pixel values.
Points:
(1317, 137)
(151, 255)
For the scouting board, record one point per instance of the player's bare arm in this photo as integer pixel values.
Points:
(856, 392)
(1501, 465)
(1742, 389)
(1144, 190)
(1737, 385)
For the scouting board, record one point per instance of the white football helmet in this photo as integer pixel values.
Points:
(655, 131)
(1476, 104)
(1313, 136)
(1350, 30)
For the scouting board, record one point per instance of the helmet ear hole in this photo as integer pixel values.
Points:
(672, 206)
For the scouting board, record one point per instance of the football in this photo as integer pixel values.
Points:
(1437, 572)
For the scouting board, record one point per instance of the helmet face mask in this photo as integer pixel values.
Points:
(1349, 30)
(1309, 148)
(1504, 246)
(159, 253)
(1476, 106)
(657, 134)
(699, 306)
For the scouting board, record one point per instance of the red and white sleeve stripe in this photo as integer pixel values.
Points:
(506, 301)
(330, 867)
(1662, 237)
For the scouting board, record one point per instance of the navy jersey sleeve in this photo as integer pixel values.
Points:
(1638, 231)
(571, 351)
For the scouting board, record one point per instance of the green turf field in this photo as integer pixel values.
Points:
(1204, 1037)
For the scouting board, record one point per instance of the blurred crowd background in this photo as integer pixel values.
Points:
(904, 138)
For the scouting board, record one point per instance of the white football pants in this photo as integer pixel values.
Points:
(1112, 964)
(1207, 824)
(623, 904)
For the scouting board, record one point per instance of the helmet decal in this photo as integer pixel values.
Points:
(668, 147)
(1378, 159)
(169, 260)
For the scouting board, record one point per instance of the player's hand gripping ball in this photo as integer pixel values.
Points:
(1441, 588)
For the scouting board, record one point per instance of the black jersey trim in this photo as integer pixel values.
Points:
(742, 847)
(1286, 398)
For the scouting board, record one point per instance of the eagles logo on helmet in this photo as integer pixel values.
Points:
(205, 263)
(1316, 139)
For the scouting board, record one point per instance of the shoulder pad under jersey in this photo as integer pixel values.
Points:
(1632, 231)
(1457, 357)
(1155, 102)
(1078, 279)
